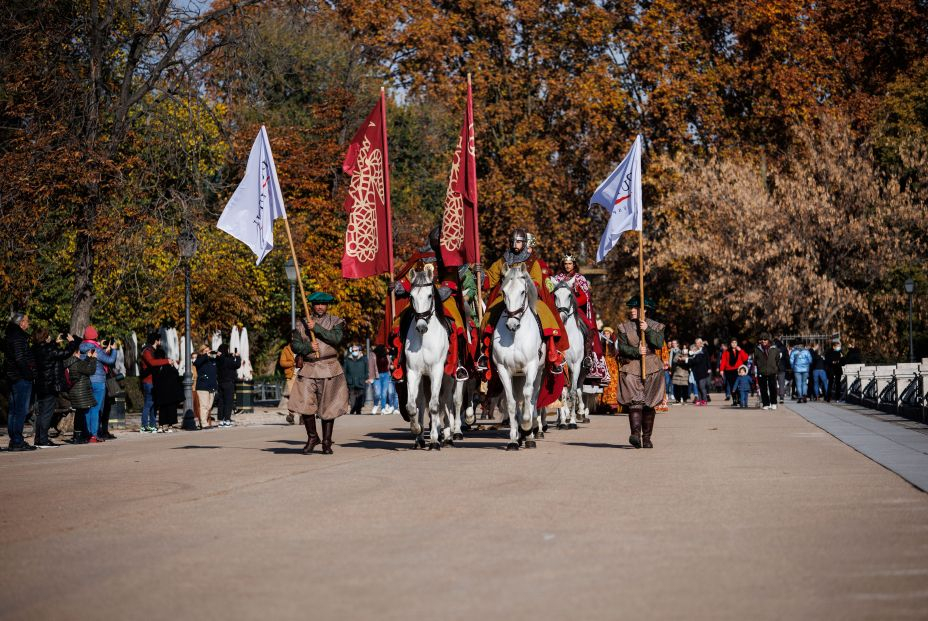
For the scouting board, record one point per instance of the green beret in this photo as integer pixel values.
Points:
(634, 302)
(320, 297)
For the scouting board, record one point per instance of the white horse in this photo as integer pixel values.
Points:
(519, 355)
(572, 396)
(426, 351)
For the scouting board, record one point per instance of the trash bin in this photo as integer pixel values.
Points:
(244, 397)
(118, 412)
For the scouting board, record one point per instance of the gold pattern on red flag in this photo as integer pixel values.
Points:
(367, 237)
(459, 236)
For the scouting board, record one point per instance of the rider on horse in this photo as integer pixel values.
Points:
(594, 360)
(552, 329)
(452, 283)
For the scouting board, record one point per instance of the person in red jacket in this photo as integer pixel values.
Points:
(728, 364)
(147, 364)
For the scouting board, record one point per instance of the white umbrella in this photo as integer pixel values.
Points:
(244, 371)
(182, 352)
(174, 354)
(135, 354)
(216, 340)
(234, 340)
(166, 340)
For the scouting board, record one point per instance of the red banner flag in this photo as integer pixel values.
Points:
(369, 236)
(460, 238)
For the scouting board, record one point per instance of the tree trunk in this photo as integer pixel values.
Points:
(83, 299)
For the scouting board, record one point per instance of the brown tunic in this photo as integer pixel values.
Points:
(631, 390)
(320, 388)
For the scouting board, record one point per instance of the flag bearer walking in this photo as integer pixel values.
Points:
(640, 394)
(320, 389)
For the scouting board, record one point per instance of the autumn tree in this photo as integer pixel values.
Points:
(76, 77)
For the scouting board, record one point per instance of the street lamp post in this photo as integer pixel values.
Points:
(290, 268)
(187, 243)
(910, 289)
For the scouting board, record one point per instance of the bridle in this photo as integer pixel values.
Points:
(518, 314)
(569, 310)
(427, 315)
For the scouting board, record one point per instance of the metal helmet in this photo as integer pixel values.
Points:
(518, 235)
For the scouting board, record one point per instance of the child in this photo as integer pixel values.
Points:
(743, 385)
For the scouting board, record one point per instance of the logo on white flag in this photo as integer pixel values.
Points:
(620, 196)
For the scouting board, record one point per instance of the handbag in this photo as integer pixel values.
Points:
(114, 387)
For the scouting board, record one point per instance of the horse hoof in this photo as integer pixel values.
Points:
(434, 445)
(448, 442)
(512, 446)
(529, 444)
(562, 426)
(544, 428)
(540, 434)
(458, 436)
(420, 443)
(572, 426)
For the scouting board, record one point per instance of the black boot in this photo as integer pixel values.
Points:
(647, 426)
(313, 436)
(634, 422)
(327, 426)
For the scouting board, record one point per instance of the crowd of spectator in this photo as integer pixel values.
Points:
(769, 369)
(85, 375)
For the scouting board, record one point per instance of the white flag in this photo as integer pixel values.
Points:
(250, 213)
(620, 195)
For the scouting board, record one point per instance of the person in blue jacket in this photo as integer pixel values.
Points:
(742, 386)
(106, 358)
(800, 359)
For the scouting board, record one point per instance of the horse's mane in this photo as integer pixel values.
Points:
(530, 290)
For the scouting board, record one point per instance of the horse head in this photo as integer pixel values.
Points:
(422, 295)
(519, 295)
(564, 300)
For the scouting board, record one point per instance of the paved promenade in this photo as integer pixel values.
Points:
(736, 514)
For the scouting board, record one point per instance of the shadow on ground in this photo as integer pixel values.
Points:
(600, 445)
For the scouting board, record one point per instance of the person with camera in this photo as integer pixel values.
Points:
(78, 370)
(19, 367)
(207, 383)
(49, 356)
(227, 365)
(105, 358)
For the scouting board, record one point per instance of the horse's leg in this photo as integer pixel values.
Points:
(528, 408)
(435, 375)
(563, 412)
(412, 398)
(574, 396)
(457, 404)
(468, 400)
(506, 379)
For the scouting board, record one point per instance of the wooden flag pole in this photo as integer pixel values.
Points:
(641, 294)
(386, 179)
(299, 277)
(476, 228)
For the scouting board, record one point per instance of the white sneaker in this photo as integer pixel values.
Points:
(766, 407)
(773, 407)
(388, 409)
(375, 410)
